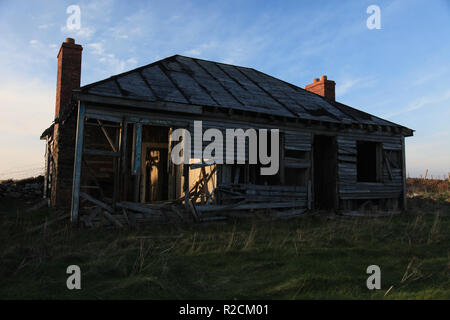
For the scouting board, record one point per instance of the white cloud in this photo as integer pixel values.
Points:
(421, 102)
(202, 48)
(343, 86)
(85, 33)
(110, 62)
(193, 52)
(97, 48)
(35, 43)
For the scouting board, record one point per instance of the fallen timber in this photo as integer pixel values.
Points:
(238, 200)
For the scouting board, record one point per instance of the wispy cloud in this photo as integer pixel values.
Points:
(84, 33)
(110, 62)
(421, 102)
(344, 86)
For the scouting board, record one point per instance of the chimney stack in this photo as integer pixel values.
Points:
(69, 74)
(323, 87)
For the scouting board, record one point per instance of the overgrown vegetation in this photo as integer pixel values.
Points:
(307, 258)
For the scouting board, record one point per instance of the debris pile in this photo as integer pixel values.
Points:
(30, 188)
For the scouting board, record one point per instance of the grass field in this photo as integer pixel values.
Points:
(305, 258)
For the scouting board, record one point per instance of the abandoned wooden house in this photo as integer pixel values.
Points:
(108, 152)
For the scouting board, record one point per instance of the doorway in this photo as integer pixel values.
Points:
(325, 172)
(155, 187)
(154, 184)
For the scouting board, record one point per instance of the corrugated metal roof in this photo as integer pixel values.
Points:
(206, 83)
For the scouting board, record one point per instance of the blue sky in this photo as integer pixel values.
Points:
(400, 72)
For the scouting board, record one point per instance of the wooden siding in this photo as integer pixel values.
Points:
(390, 186)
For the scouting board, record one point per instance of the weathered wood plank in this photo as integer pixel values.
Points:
(78, 163)
(96, 202)
(96, 152)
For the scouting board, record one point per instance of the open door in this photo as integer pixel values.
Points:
(325, 172)
(154, 184)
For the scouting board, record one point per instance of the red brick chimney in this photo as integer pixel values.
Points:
(69, 74)
(64, 131)
(323, 87)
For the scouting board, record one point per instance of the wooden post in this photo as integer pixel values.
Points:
(123, 160)
(311, 181)
(116, 166)
(170, 168)
(281, 168)
(309, 195)
(77, 163)
(404, 174)
(137, 146)
(186, 184)
(47, 168)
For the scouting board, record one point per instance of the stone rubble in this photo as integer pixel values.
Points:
(30, 188)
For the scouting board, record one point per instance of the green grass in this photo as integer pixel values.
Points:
(310, 258)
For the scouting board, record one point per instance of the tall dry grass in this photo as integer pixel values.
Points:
(427, 185)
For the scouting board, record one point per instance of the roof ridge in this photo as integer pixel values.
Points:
(138, 69)
(299, 95)
(224, 63)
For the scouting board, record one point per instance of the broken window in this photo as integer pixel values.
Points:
(296, 170)
(250, 173)
(368, 161)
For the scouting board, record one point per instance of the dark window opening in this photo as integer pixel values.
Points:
(296, 176)
(253, 171)
(298, 154)
(296, 167)
(368, 161)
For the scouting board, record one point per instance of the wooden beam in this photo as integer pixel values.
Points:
(47, 168)
(77, 163)
(236, 174)
(116, 168)
(123, 160)
(309, 195)
(246, 206)
(405, 207)
(282, 156)
(97, 202)
(128, 102)
(106, 153)
(137, 146)
(108, 138)
(186, 183)
(137, 149)
(47, 223)
(200, 165)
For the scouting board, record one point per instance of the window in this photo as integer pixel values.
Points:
(251, 173)
(368, 161)
(296, 167)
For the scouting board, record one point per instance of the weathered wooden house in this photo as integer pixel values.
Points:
(109, 147)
